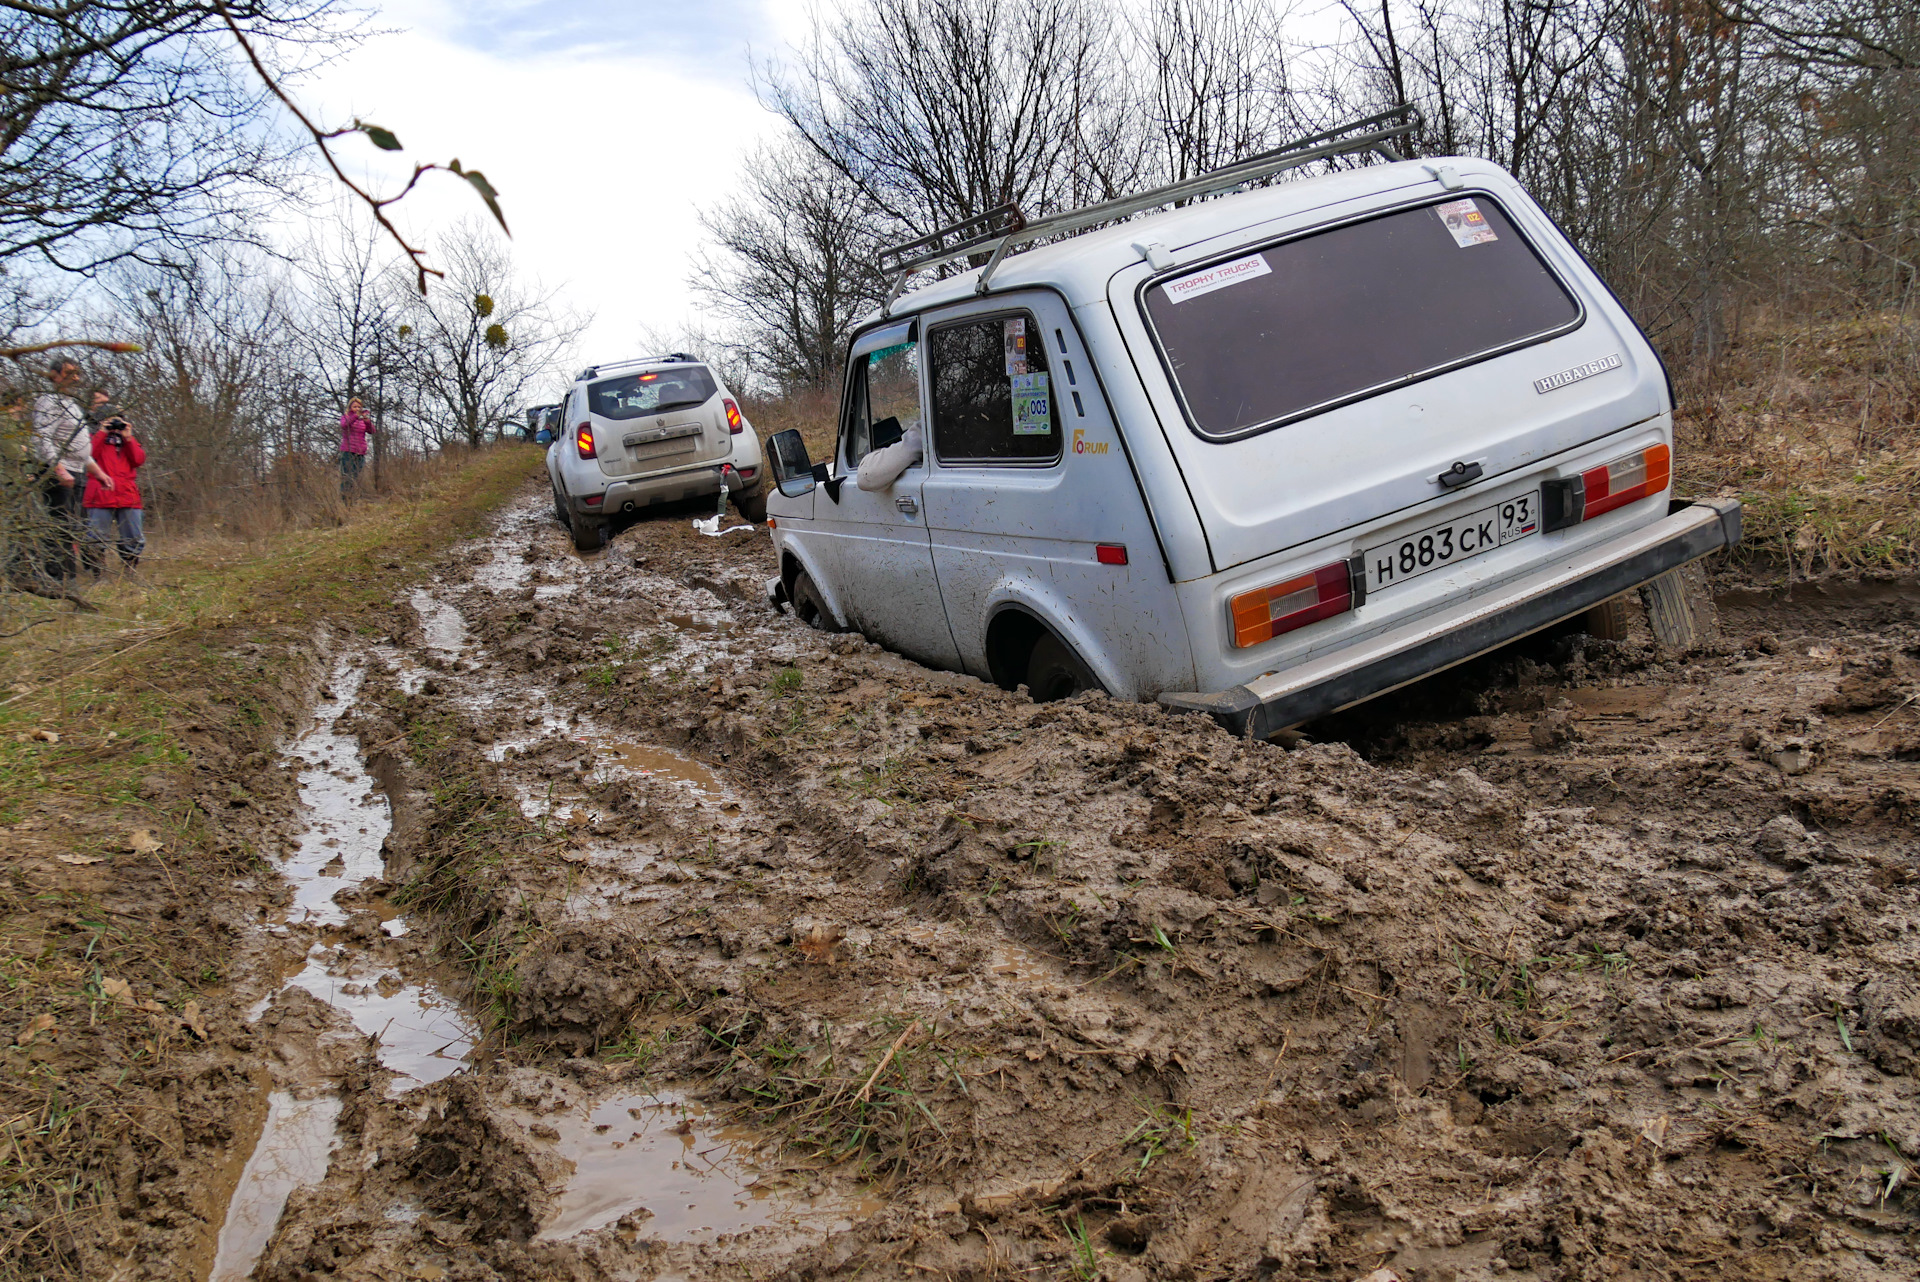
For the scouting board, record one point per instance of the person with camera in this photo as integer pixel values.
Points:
(114, 509)
(102, 409)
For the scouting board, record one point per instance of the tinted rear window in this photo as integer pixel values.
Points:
(653, 391)
(1279, 333)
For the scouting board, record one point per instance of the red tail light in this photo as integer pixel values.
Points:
(583, 439)
(1569, 500)
(1110, 553)
(734, 421)
(1265, 613)
(1626, 480)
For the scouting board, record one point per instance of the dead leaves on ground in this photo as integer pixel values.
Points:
(37, 1025)
(817, 945)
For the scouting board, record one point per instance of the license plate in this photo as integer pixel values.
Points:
(1392, 564)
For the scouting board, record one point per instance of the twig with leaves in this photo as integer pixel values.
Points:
(385, 140)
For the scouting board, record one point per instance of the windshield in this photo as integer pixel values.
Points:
(1280, 333)
(653, 391)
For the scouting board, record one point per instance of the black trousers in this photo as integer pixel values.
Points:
(62, 527)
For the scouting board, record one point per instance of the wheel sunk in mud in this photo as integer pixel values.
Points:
(809, 606)
(1054, 671)
(751, 505)
(589, 536)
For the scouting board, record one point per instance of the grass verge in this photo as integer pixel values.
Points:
(136, 785)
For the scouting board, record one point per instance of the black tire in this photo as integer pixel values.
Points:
(751, 504)
(589, 536)
(1608, 621)
(809, 606)
(560, 512)
(1055, 672)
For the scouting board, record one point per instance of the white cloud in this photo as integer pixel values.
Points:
(604, 126)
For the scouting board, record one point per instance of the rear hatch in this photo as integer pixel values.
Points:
(1325, 379)
(655, 420)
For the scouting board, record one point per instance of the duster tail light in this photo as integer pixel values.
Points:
(1265, 613)
(583, 440)
(734, 421)
(1572, 499)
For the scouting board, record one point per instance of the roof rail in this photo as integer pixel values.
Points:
(593, 371)
(1006, 226)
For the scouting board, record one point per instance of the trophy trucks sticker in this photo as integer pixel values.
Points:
(1553, 382)
(1464, 219)
(1218, 276)
(1032, 406)
(1081, 445)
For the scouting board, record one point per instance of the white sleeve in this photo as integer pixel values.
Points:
(881, 468)
(46, 425)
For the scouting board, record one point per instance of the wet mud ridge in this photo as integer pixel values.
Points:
(649, 934)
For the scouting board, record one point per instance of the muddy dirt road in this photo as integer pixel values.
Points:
(705, 946)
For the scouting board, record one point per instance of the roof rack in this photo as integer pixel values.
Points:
(594, 371)
(1006, 226)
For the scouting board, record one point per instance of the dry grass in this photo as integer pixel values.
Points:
(1817, 428)
(191, 663)
(815, 414)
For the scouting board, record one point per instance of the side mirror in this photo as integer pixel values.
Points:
(792, 471)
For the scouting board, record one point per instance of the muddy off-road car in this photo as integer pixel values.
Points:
(654, 430)
(1263, 456)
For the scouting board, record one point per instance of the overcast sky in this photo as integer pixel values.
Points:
(605, 125)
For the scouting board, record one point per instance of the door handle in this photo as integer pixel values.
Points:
(906, 504)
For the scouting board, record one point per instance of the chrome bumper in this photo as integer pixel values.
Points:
(1342, 678)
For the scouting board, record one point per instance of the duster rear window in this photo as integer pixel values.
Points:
(1276, 334)
(653, 391)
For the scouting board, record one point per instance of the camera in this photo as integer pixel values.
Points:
(116, 429)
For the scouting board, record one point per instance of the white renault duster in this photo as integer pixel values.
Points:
(1262, 456)
(634, 434)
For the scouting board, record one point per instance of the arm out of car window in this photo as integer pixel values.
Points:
(882, 467)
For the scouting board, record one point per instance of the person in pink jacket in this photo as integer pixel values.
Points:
(355, 428)
(115, 511)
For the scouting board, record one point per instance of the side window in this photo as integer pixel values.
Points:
(992, 394)
(884, 385)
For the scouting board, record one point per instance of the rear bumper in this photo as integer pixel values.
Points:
(1386, 662)
(665, 487)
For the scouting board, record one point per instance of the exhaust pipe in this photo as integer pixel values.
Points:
(627, 506)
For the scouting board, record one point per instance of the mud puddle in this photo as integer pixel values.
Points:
(421, 1035)
(296, 1143)
(664, 1170)
(644, 760)
(441, 625)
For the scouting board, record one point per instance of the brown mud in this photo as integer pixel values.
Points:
(782, 956)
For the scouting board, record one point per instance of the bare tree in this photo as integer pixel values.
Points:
(473, 349)
(1213, 82)
(126, 131)
(938, 110)
(791, 266)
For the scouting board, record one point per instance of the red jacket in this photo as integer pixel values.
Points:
(122, 463)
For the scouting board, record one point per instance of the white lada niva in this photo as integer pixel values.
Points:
(1263, 456)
